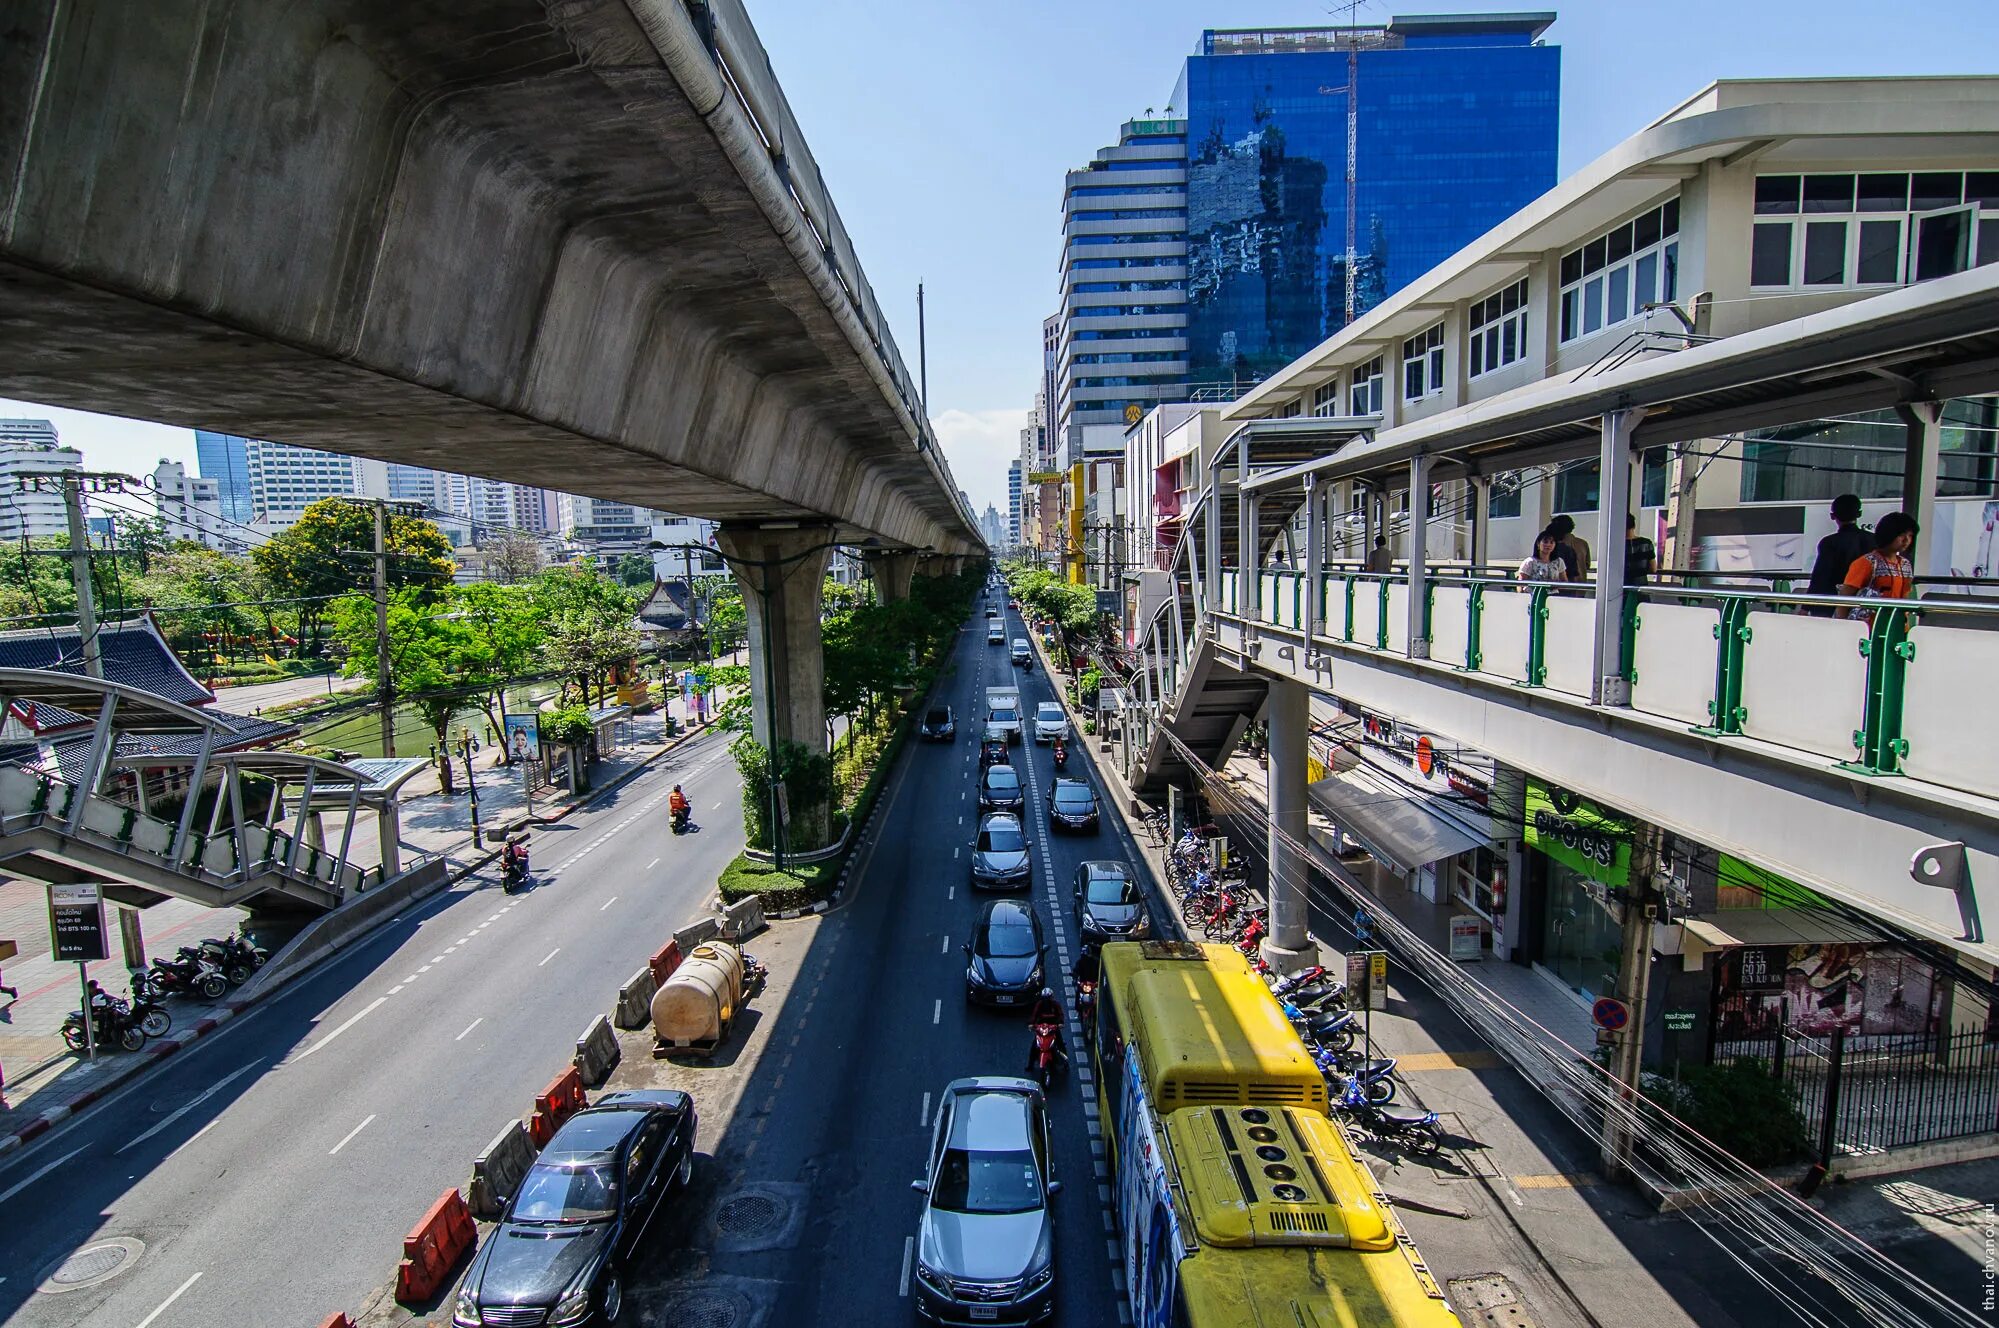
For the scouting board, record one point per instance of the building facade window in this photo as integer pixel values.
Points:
(1879, 228)
(1612, 278)
(1498, 329)
(1861, 453)
(1100, 190)
(1131, 214)
(1098, 287)
(1423, 364)
(1126, 262)
(1503, 500)
(1326, 399)
(1364, 397)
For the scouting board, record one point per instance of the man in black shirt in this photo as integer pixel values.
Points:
(1838, 550)
(1639, 555)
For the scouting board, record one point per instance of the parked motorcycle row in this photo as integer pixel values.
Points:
(203, 971)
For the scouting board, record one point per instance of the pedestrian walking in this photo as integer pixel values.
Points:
(1838, 551)
(1885, 571)
(1545, 563)
(1573, 548)
(1639, 554)
(1380, 559)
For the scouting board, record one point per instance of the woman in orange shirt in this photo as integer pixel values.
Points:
(1885, 573)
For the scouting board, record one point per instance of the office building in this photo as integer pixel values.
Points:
(190, 509)
(1013, 492)
(991, 528)
(225, 458)
(691, 548)
(1455, 119)
(602, 523)
(285, 480)
(31, 450)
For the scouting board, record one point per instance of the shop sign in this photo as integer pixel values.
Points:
(1577, 833)
(1679, 1021)
(1467, 936)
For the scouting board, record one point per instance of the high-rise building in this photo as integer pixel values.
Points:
(190, 508)
(1455, 119)
(1013, 488)
(285, 480)
(31, 448)
(600, 521)
(225, 458)
(992, 528)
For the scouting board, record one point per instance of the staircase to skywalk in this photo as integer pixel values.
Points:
(1207, 714)
(43, 838)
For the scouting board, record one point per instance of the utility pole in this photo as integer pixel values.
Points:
(79, 571)
(385, 687)
(1634, 983)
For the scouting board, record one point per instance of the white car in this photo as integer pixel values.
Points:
(995, 635)
(1050, 722)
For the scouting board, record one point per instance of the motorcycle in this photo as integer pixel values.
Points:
(235, 956)
(1061, 756)
(1047, 1058)
(1330, 1030)
(1284, 986)
(1373, 1075)
(681, 815)
(115, 1024)
(1421, 1132)
(514, 866)
(190, 974)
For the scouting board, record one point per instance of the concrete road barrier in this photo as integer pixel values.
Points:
(701, 929)
(743, 919)
(596, 1052)
(433, 1248)
(635, 1000)
(497, 1172)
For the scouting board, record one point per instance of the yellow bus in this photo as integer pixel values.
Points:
(1239, 1202)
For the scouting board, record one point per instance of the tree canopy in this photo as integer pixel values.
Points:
(328, 552)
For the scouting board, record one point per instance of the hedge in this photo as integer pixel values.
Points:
(798, 886)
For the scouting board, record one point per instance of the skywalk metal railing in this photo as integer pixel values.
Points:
(1902, 687)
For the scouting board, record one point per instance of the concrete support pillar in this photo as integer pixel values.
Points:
(1481, 516)
(1315, 553)
(1419, 551)
(389, 830)
(893, 573)
(1922, 443)
(783, 576)
(1288, 714)
(1367, 531)
(1608, 683)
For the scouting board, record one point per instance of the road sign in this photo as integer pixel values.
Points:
(76, 922)
(1679, 1021)
(1377, 980)
(1610, 1014)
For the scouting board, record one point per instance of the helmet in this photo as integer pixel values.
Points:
(1047, 995)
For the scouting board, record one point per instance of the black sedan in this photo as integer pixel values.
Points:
(939, 724)
(1109, 906)
(560, 1250)
(1004, 959)
(1072, 805)
(1000, 789)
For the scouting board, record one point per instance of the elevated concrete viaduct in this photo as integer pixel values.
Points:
(581, 246)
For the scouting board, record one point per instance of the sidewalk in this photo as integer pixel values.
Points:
(44, 1080)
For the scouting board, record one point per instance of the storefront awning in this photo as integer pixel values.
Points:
(1777, 926)
(1400, 826)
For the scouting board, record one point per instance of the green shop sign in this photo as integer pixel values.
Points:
(1576, 833)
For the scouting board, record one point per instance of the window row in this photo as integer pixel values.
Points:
(1498, 329)
(1423, 364)
(1142, 237)
(1130, 357)
(1616, 275)
(1102, 190)
(1875, 191)
(1130, 214)
(1099, 287)
(1871, 250)
(1127, 262)
(1126, 310)
(1129, 334)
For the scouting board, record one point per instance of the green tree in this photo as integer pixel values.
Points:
(140, 538)
(330, 551)
(429, 651)
(506, 637)
(634, 570)
(203, 593)
(728, 621)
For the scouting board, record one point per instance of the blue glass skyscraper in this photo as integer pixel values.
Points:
(1456, 130)
(225, 458)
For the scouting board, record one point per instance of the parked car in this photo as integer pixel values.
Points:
(1050, 722)
(1109, 904)
(1005, 959)
(559, 1253)
(999, 854)
(939, 724)
(985, 1247)
(1023, 654)
(1072, 805)
(1000, 790)
(995, 635)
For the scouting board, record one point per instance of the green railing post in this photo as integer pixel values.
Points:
(1346, 631)
(1381, 618)
(1888, 650)
(1475, 611)
(1537, 637)
(1298, 601)
(1627, 639)
(1731, 634)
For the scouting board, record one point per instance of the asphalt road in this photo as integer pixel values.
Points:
(839, 1124)
(270, 1171)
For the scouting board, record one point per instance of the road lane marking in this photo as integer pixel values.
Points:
(550, 955)
(652, 864)
(23, 1184)
(199, 1098)
(437, 959)
(908, 1253)
(368, 1010)
(469, 1027)
(946, 947)
(952, 893)
(398, 987)
(362, 1126)
(937, 1011)
(607, 903)
(424, 969)
(923, 1117)
(179, 1291)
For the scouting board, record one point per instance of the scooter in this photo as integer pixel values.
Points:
(191, 974)
(1061, 756)
(116, 1024)
(1286, 985)
(236, 957)
(1421, 1132)
(681, 816)
(1330, 1030)
(1047, 1058)
(1374, 1075)
(514, 866)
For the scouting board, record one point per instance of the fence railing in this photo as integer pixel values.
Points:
(1899, 691)
(1868, 1094)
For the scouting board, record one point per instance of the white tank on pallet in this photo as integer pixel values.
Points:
(693, 1010)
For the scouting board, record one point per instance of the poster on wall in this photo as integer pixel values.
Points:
(523, 736)
(1817, 989)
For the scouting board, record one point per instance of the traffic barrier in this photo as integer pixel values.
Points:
(701, 929)
(596, 1052)
(635, 999)
(555, 1104)
(433, 1248)
(497, 1172)
(665, 960)
(743, 919)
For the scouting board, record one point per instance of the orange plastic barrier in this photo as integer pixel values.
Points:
(555, 1104)
(432, 1250)
(337, 1321)
(665, 962)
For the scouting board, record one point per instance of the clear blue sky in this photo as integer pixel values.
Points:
(943, 130)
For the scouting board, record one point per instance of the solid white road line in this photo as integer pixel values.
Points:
(199, 1098)
(550, 955)
(362, 1126)
(923, 1117)
(607, 903)
(365, 1012)
(179, 1291)
(34, 1176)
(908, 1253)
(937, 1012)
(469, 1027)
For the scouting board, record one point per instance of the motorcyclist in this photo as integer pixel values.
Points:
(1046, 1010)
(677, 804)
(514, 862)
(1061, 753)
(1089, 966)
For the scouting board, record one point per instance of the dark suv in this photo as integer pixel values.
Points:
(939, 724)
